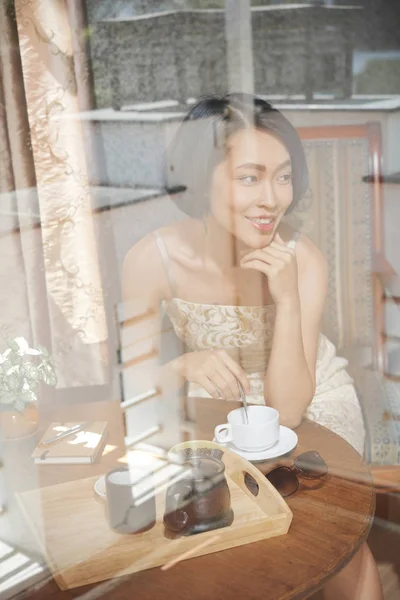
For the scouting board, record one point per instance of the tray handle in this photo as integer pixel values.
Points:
(254, 483)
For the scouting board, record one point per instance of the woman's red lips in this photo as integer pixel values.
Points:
(262, 223)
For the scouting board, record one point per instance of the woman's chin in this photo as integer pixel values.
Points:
(259, 239)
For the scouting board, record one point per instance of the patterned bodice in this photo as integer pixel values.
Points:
(243, 331)
(246, 333)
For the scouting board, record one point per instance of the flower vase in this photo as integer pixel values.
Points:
(16, 424)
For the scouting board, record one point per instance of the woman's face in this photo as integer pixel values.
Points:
(252, 188)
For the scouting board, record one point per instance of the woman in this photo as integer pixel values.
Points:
(243, 290)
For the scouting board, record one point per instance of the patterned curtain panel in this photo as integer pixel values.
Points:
(337, 216)
(75, 301)
(22, 283)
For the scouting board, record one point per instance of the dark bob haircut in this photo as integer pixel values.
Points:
(200, 142)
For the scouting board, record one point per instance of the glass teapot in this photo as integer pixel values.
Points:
(201, 500)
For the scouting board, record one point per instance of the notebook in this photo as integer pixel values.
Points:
(84, 446)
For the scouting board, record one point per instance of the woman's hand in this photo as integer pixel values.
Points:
(279, 264)
(215, 371)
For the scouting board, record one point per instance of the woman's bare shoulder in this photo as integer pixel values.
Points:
(142, 271)
(144, 263)
(143, 253)
(306, 249)
(170, 235)
(181, 233)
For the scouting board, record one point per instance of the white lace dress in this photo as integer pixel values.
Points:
(246, 333)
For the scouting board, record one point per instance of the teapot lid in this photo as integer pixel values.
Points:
(207, 468)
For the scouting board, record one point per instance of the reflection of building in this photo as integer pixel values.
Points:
(180, 54)
(131, 8)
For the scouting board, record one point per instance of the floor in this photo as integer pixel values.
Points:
(384, 541)
(18, 571)
(385, 545)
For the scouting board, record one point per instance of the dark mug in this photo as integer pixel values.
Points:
(200, 501)
(130, 500)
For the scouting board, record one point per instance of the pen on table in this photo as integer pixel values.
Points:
(65, 433)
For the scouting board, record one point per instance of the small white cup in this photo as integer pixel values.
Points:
(261, 432)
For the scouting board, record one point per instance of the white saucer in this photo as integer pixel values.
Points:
(287, 441)
(100, 487)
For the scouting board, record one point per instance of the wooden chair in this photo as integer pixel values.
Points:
(343, 213)
(151, 414)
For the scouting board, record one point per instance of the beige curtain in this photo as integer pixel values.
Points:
(23, 311)
(70, 293)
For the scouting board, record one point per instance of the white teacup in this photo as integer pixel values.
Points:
(261, 432)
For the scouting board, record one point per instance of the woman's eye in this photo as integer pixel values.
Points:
(249, 179)
(285, 178)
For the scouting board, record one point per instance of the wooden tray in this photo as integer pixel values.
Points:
(80, 548)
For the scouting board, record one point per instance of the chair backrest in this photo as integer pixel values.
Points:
(342, 214)
(146, 342)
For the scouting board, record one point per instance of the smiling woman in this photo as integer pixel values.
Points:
(243, 290)
(206, 137)
(251, 198)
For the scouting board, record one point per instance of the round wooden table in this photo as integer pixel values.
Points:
(331, 519)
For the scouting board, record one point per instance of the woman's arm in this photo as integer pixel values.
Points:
(298, 282)
(143, 278)
(290, 378)
(144, 281)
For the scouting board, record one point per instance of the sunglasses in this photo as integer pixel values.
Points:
(285, 480)
(309, 465)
